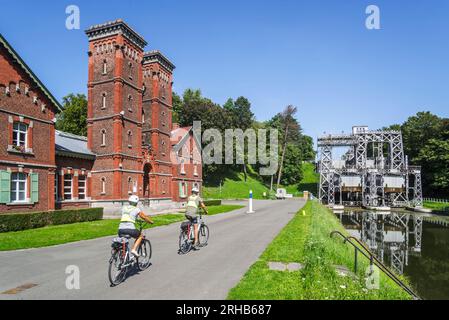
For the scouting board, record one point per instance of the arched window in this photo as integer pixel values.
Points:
(195, 170)
(103, 100)
(130, 103)
(105, 66)
(130, 185)
(103, 137)
(130, 139)
(103, 185)
(130, 66)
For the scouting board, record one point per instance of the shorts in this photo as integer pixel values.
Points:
(192, 219)
(134, 233)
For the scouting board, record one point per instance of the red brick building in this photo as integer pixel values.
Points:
(132, 146)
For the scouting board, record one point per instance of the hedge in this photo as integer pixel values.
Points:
(23, 221)
(212, 202)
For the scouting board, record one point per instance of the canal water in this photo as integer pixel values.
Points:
(408, 243)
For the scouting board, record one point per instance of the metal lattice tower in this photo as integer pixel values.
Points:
(373, 171)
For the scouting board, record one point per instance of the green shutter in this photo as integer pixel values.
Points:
(34, 187)
(180, 189)
(5, 187)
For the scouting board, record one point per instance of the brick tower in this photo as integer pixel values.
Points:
(115, 88)
(157, 112)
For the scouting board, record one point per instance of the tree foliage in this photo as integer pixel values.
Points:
(426, 143)
(74, 117)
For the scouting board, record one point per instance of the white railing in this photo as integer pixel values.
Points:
(436, 200)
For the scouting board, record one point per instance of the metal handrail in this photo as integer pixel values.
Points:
(374, 260)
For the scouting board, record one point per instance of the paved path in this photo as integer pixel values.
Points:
(237, 240)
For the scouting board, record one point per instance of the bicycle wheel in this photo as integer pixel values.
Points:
(145, 251)
(116, 273)
(203, 235)
(184, 243)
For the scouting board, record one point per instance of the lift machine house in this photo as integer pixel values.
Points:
(372, 171)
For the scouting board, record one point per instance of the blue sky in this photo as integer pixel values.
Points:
(317, 54)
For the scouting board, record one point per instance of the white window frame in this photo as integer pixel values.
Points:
(103, 101)
(67, 187)
(103, 137)
(103, 185)
(130, 185)
(18, 131)
(15, 187)
(82, 189)
(184, 187)
(105, 67)
(195, 170)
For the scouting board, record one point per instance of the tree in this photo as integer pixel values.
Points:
(292, 169)
(177, 106)
(434, 159)
(418, 130)
(290, 124)
(425, 138)
(73, 119)
(241, 117)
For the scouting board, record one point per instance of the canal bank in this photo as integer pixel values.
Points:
(304, 262)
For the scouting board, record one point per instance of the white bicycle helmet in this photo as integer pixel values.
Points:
(195, 190)
(134, 199)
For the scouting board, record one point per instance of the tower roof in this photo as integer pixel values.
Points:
(118, 26)
(157, 56)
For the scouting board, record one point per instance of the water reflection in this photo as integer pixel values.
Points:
(408, 244)
(392, 237)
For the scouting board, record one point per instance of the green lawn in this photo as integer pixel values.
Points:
(53, 235)
(309, 182)
(236, 188)
(306, 240)
(437, 206)
(223, 208)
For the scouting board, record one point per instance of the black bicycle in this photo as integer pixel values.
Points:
(187, 235)
(122, 259)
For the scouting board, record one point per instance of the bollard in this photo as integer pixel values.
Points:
(250, 202)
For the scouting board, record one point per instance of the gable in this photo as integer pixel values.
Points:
(16, 75)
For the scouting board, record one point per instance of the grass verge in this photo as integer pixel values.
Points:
(306, 240)
(236, 188)
(54, 235)
(437, 206)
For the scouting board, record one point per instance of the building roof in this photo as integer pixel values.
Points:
(115, 27)
(70, 145)
(16, 57)
(157, 56)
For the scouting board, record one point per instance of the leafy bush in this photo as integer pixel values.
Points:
(32, 220)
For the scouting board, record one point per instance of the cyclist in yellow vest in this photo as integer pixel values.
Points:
(127, 226)
(193, 204)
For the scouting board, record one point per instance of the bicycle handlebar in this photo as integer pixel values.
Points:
(141, 223)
